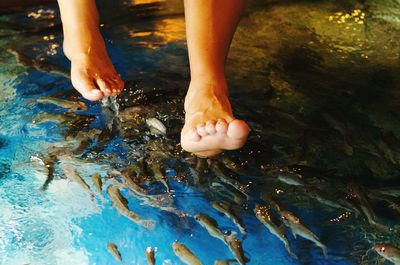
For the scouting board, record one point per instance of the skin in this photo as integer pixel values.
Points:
(92, 72)
(210, 126)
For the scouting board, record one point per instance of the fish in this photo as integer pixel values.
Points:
(264, 216)
(230, 194)
(150, 256)
(364, 204)
(235, 246)
(133, 186)
(113, 249)
(297, 228)
(159, 176)
(185, 255)
(43, 66)
(221, 262)
(229, 180)
(224, 262)
(72, 106)
(71, 173)
(235, 166)
(389, 252)
(290, 178)
(156, 126)
(226, 209)
(49, 165)
(343, 130)
(96, 179)
(210, 225)
(121, 205)
(326, 199)
(51, 117)
(389, 191)
(267, 197)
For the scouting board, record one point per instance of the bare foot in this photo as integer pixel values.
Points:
(210, 126)
(92, 72)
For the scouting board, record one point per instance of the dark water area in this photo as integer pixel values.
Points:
(317, 81)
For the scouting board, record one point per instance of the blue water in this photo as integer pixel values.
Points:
(288, 65)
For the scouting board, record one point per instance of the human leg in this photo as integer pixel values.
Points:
(92, 72)
(210, 126)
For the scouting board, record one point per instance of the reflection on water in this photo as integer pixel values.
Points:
(318, 84)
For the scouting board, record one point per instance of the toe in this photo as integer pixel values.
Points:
(238, 129)
(192, 135)
(104, 86)
(113, 86)
(85, 85)
(210, 127)
(201, 129)
(221, 126)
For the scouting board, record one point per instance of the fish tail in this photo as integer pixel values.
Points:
(324, 249)
(289, 250)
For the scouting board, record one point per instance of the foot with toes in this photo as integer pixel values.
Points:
(92, 72)
(210, 126)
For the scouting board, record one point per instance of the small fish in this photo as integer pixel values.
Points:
(96, 179)
(71, 173)
(221, 262)
(236, 166)
(43, 66)
(364, 204)
(230, 194)
(185, 254)
(49, 165)
(150, 256)
(389, 191)
(235, 246)
(159, 176)
(297, 228)
(267, 197)
(389, 252)
(229, 180)
(135, 188)
(224, 262)
(326, 199)
(156, 126)
(73, 106)
(121, 204)
(262, 213)
(113, 249)
(227, 210)
(210, 225)
(51, 117)
(292, 179)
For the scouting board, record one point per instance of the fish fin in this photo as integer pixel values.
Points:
(294, 234)
(324, 249)
(282, 229)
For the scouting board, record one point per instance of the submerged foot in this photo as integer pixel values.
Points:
(210, 127)
(92, 72)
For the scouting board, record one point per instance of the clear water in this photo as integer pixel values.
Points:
(316, 80)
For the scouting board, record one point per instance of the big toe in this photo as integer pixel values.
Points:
(238, 129)
(85, 85)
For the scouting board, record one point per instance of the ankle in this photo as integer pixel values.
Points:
(83, 44)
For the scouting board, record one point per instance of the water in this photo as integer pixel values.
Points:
(316, 80)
